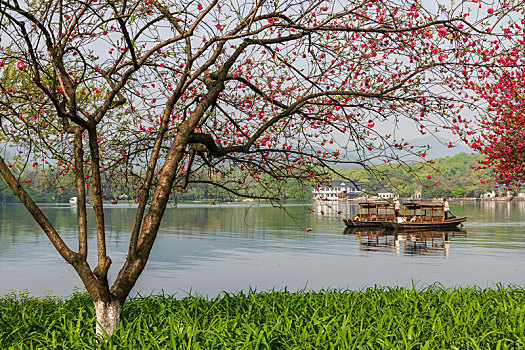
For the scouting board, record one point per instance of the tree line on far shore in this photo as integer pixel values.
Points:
(453, 176)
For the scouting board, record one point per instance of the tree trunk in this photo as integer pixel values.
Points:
(108, 317)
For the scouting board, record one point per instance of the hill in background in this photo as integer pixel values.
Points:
(434, 147)
(439, 146)
(451, 176)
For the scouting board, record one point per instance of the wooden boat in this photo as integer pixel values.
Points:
(424, 216)
(372, 214)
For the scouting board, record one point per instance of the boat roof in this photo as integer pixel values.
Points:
(383, 204)
(423, 205)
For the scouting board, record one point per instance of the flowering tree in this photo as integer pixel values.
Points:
(155, 96)
(503, 131)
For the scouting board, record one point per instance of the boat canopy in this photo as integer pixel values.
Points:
(376, 205)
(423, 206)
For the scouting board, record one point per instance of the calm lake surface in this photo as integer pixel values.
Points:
(205, 249)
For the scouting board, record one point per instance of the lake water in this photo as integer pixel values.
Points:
(207, 249)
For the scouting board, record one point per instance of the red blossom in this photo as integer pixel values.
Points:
(503, 139)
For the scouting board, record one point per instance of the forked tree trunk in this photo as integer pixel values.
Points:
(108, 317)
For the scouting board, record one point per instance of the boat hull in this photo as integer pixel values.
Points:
(363, 223)
(447, 224)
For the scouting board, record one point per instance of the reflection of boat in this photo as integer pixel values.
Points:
(371, 238)
(73, 200)
(426, 242)
(362, 231)
(424, 216)
(372, 214)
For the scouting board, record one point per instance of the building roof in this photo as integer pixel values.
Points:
(341, 183)
(385, 190)
(505, 187)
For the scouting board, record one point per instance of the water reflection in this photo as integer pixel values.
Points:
(334, 210)
(229, 247)
(405, 242)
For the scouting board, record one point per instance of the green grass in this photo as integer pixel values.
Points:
(375, 318)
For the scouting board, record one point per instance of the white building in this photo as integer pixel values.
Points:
(491, 194)
(337, 190)
(385, 193)
(502, 191)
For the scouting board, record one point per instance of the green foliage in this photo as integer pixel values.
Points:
(375, 318)
(39, 192)
(455, 177)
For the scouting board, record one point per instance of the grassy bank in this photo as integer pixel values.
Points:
(376, 318)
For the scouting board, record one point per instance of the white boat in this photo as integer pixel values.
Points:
(73, 200)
